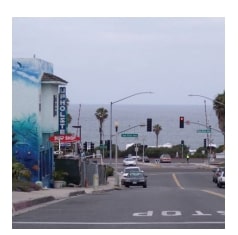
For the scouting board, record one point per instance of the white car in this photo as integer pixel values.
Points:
(138, 158)
(221, 180)
(129, 162)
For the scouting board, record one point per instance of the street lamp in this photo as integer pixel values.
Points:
(201, 124)
(113, 102)
(207, 126)
(141, 125)
(116, 155)
(208, 99)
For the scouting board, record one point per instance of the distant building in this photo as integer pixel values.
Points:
(35, 115)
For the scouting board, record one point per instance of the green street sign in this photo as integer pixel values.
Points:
(102, 146)
(129, 135)
(204, 131)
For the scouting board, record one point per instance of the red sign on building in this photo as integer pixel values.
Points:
(64, 138)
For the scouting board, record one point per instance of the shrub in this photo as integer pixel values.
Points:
(109, 171)
(24, 186)
(60, 175)
(20, 172)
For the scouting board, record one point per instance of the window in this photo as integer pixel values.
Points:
(54, 105)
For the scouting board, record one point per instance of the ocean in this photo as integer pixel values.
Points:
(167, 116)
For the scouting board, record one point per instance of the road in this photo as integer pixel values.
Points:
(176, 198)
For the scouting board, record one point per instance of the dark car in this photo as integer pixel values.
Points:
(127, 170)
(146, 159)
(136, 179)
(217, 172)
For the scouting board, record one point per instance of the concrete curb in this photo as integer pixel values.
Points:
(72, 194)
(20, 206)
(29, 203)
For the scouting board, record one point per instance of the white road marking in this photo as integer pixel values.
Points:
(221, 212)
(199, 213)
(174, 213)
(171, 213)
(147, 213)
(119, 223)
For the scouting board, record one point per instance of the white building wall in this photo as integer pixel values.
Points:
(49, 122)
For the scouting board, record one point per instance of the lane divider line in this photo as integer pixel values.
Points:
(214, 193)
(176, 181)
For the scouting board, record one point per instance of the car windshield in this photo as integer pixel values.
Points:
(132, 170)
(136, 174)
(165, 156)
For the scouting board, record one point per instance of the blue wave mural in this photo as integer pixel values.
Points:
(26, 77)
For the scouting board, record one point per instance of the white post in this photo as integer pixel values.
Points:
(59, 147)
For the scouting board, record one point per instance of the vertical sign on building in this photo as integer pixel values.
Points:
(62, 110)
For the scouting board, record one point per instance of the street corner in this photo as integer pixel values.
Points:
(18, 206)
(155, 165)
(116, 187)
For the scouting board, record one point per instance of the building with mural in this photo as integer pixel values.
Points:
(38, 111)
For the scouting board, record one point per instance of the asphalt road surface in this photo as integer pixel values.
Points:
(176, 198)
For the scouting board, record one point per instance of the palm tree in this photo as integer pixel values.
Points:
(68, 115)
(219, 107)
(156, 129)
(101, 114)
(68, 118)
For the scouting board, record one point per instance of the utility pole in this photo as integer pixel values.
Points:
(208, 138)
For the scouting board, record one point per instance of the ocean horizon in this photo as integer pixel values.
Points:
(167, 116)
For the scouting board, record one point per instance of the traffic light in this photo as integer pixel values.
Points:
(204, 143)
(182, 142)
(92, 146)
(85, 146)
(149, 124)
(108, 144)
(181, 122)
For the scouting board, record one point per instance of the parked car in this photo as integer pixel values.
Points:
(217, 171)
(136, 179)
(138, 158)
(129, 162)
(221, 179)
(165, 158)
(146, 159)
(128, 170)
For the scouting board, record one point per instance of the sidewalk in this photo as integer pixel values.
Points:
(23, 201)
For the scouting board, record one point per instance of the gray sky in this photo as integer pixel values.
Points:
(108, 58)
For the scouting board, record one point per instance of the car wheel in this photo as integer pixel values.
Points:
(218, 185)
(127, 185)
(145, 186)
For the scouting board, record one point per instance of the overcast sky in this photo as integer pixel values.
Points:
(108, 58)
